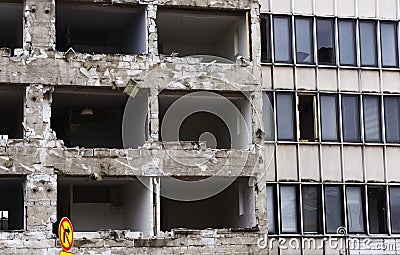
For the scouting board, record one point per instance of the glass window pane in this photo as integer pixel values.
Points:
(355, 210)
(395, 209)
(372, 119)
(271, 209)
(389, 44)
(304, 41)
(329, 118)
(268, 116)
(311, 211)
(368, 43)
(265, 39)
(325, 41)
(351, 118)
(333, 208)
(288, 200)
(392, 119)
(285, 116)
(347, 42)
(282, 41)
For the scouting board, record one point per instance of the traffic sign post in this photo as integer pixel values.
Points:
(66, 235)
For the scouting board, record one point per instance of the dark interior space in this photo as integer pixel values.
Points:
(12, 203)
(221, 121)
(11, 24)
(188, 32)
(377, 210)
(307, 118)
(12, 111)
(90, 118)
(232, 208)
(100, 29)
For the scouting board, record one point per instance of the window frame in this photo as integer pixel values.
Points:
(375, 46)
(333, 34)
(290, 39)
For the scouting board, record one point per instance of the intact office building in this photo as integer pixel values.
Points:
(200, 126)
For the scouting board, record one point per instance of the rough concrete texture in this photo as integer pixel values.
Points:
(42, 159)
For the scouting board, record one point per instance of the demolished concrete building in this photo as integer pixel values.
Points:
(86, 89)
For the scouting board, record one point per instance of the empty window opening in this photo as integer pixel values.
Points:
(100, 29)
(268, 116)
(12, 110)
(308, 124)
(377, 209)
(11, 24)
(333, 208)
(117, 204)
(201, 33)
(265, 38)
(285, 116)
(311, 198)
(93, 118)
(234, 207)
(12, 204)
(326, 41)
(221, 121)
(355, 209)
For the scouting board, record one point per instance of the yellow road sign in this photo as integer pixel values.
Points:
(66, 234)
(65, 253)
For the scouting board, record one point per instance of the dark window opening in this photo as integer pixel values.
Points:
(11, 24)
(333, 209)
(308, 118)
(12, 112)
(265, 38)
(377, 209)
(234, 207)
(100, 29)
(268, 116)
(12, 204)
(116, 204)
(311, 199)
(223, 34)
(285, 116)
(326, 41)
(221, 121)
(93, 118)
